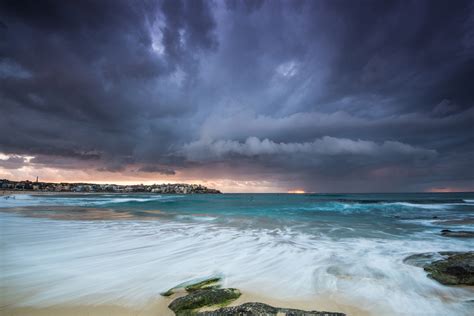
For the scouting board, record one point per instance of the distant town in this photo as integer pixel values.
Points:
(171, 188)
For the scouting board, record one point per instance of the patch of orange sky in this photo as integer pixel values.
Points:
(128, 178)
(297, 191)
(445, 190)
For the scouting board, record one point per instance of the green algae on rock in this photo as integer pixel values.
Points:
(168, 293)
(205, 284)
(209, 283)
(187, 305)
(455, 269)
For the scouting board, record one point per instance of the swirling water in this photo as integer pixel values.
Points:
(348, 248)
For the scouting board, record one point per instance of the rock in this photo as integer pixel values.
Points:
(454, 269)
(207, 293)
(422, 259)
(172, 291)
(260, 309)
(458, 234)
(209, 283)
(168, 293)
(204, 297)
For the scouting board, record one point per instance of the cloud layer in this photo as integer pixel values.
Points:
(325, 146)
(321, 95)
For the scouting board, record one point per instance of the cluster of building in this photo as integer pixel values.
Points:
(171, 188)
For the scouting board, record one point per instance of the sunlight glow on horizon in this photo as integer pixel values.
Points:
(297, 191)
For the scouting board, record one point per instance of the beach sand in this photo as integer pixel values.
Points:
(80, 310)
(160, 307)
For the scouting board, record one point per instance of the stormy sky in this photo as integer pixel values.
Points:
(325, 96)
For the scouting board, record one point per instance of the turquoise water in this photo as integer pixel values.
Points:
(344, 247)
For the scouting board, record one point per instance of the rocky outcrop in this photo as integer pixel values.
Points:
(187, 305)
(455, 269)
(260, 309)
(205, 284)
(420, 260)
(458, 234)
(208, 294)
(448, 268)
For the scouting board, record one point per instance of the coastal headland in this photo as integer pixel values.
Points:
(37, 186)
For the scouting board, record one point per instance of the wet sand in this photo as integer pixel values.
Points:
(160, 307)
(154, 309)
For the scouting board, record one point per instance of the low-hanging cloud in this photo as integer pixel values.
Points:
(203, 150)
(156, 169)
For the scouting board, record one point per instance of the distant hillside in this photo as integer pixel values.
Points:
(176, 188)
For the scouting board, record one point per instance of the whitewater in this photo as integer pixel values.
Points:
(104, 249)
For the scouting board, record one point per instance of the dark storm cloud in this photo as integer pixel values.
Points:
(331, 95)
(156, 169)
(95, 76)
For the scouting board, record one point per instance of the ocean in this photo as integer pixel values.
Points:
(128, 248)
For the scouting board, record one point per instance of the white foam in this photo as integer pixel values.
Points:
(48, 262)
(423, 206)
(20, 200)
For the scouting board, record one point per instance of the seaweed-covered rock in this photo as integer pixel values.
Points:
(209, 283)
(454, 269)
(260, 309)
(207, 293)
(168, 293)
(200, 298)
(458, 233)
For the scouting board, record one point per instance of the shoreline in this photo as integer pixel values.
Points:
(159, 306)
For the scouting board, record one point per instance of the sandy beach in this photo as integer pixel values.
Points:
(160, 307)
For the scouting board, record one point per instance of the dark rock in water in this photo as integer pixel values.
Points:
(454, 269)
(458, 234)
(209, 283)
(200, 298)
(260, 309)
(448, 267)
(422, 259)
(168, 293)
(172, 291)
